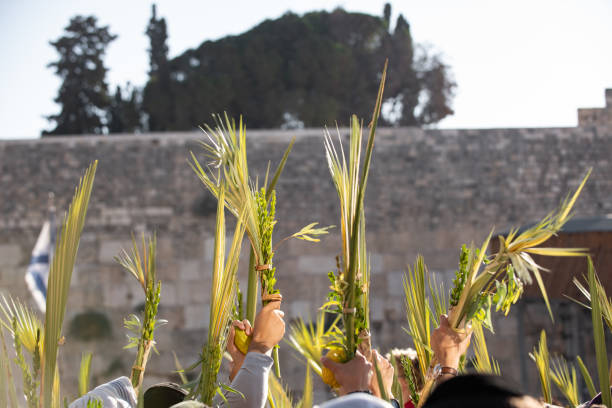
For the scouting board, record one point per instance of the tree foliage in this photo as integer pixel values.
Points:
(83, 94)
(157, 96)
(291, 72)
(299, 71)
(124, 113)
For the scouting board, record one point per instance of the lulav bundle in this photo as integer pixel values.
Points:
(229, 170)
(349, 293)
(486, 282)
(144, 268)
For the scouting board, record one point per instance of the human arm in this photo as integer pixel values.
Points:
(251, 379)
(449, 345)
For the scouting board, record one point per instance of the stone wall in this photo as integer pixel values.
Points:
(429, 192)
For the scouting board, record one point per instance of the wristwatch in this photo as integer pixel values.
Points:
(439, 371)
(395, 403)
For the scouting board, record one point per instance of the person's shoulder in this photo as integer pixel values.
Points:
(356, 400)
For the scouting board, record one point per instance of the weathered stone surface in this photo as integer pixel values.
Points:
(110, 249)
(196, 316)
(395, 283)
(10, 255)
(429, 192)
(301, 309)
(316, 264)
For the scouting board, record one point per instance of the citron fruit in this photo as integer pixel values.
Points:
(241, 340)
(337, 355)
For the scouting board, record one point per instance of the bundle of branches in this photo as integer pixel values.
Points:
(222, 301)
(425, 303)
(42, 341)
(349, 295)
(143, 268)
(497, 281)
(228, 169)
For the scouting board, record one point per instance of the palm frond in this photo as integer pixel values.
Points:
(604, 301)
(500, 282)
(60, 274)
(419, 312)
(310, 232)
(279, 393)
(350, 186)
(229, 171)
(482, 362)
(222, 300)
(440, 303)
(28, 323)
(601, 354)
(565, 379)
(84, 373)
(311, 339)
(541, 357)
(307, 400)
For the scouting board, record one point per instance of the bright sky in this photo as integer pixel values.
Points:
(517, 63)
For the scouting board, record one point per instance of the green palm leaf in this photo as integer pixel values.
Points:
(482, 362)
(311, 339)
(542, 359)
(222, 300)
(28, 323)
(278, 393)
(60, 274)
(599, 335)
(565, 379)
(588, 380)
(307, 398)
(84, 373)
(419, 312)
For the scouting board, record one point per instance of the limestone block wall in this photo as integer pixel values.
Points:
(429, 192)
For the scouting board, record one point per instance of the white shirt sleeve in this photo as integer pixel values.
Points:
(356, 400)
(118, 393)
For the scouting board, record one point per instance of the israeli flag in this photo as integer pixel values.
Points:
(37, 275)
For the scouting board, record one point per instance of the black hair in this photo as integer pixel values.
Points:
(474, 391)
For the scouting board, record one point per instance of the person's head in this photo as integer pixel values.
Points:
(478, 391)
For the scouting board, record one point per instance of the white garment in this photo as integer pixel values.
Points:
(118, 393)
(356, 400)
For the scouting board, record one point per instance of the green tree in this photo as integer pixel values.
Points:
(403, 77)
(124, 115)
(83, 94)
(387, 14)
(295, 71)
(158, 94)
